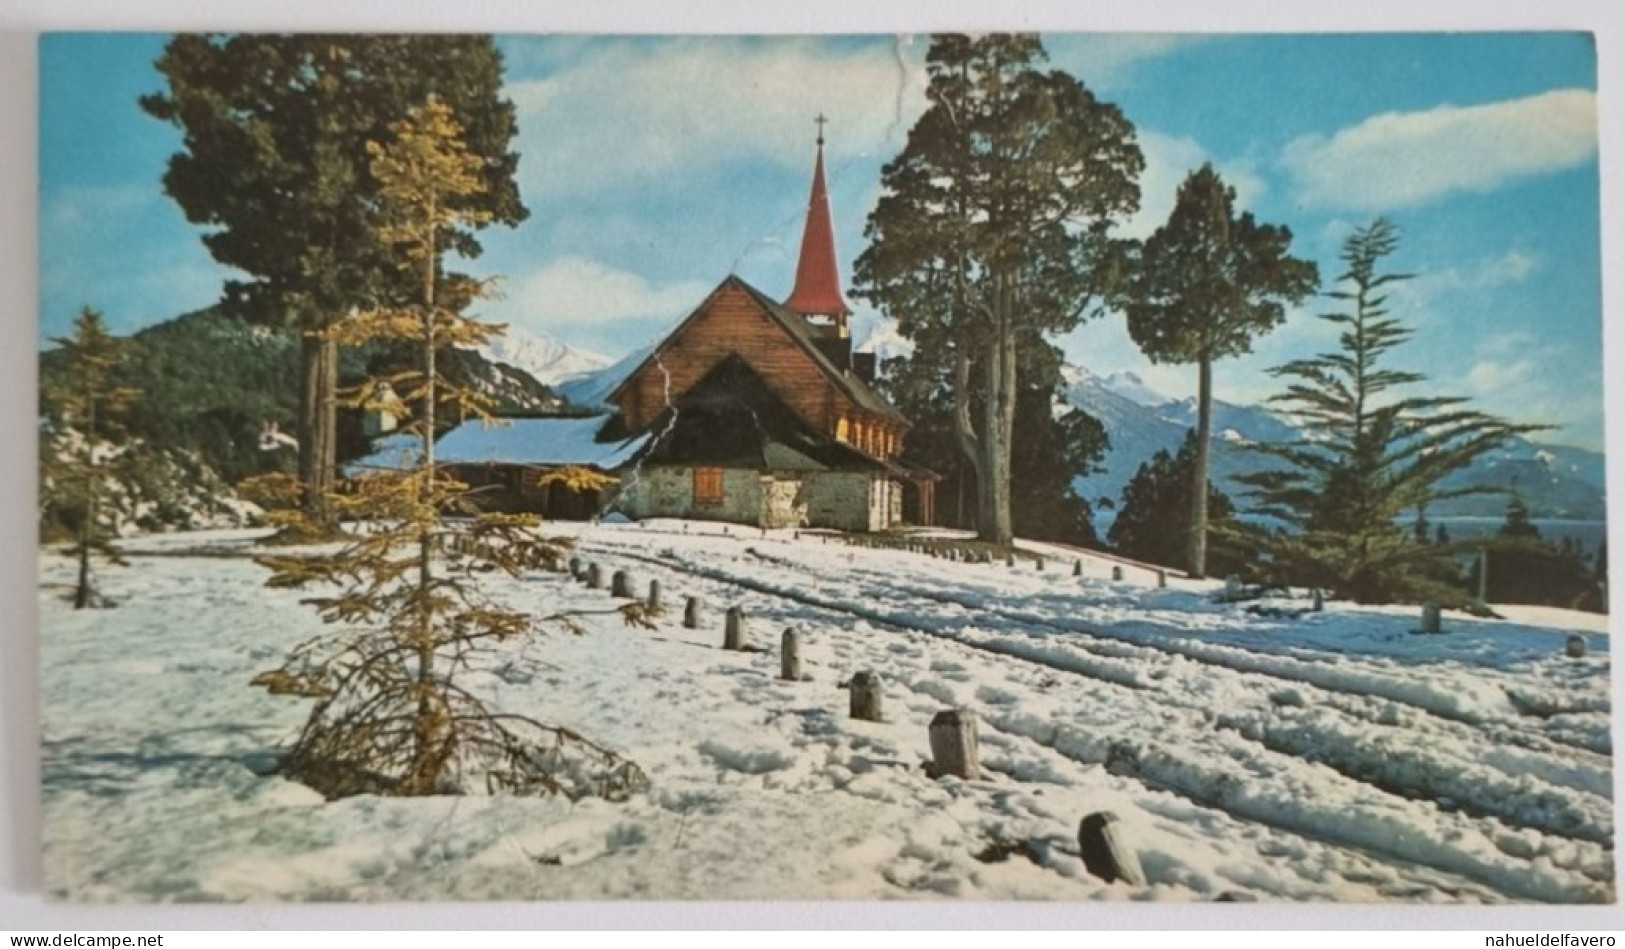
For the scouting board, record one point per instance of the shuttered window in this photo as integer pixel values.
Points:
(707, 485)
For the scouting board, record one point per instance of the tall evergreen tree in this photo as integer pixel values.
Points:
(993, 233)
(80, 451)
(274, 163)
(1153, 518)
(1370, 452)
(1205, 285)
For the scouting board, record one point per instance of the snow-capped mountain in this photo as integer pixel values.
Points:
(547, 360)
(885, 341)
(590, 389)
(1556, 481)
(1141, 420)
(1131, 386)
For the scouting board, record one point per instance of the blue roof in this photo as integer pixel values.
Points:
(543, 442)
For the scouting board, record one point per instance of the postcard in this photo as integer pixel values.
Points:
(1065, 466)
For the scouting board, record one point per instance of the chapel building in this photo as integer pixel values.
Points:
(759, 411)
(752, 411)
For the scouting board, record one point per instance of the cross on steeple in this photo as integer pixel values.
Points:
(818, 282)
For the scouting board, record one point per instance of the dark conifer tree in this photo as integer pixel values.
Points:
(1524, 567)
(1153, 518)
(1050, 449)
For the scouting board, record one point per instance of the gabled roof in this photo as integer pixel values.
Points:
(795, 325)
(732, 418)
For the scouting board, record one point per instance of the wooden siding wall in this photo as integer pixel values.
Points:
(735, 323)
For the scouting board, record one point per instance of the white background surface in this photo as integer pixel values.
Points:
(21, 907)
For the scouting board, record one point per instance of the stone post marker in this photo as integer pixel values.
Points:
(595, 577)
(620, 585)
(865, 689)
(691, 613)
(575, 567)
(654, 594)
(1105, 850)
(1040, 564)
(1077, 568)
(790, 657)
(1117, 574)
(1010, 559)
(953, 744)
(1319, 601)
(1430, 617)
(1575, 647)
(733, 629)
(1162, 579)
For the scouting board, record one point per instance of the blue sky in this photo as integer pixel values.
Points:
(654, 167)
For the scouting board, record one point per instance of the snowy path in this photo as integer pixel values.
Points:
(1332, 758)
(1385, 749)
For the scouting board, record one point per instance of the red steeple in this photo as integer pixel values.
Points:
(818, 283)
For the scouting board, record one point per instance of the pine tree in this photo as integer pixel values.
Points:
(1421, 528)
(390, 716)
(1369, 453)
(1524, 567)
(1517, 524)
(80, 450)
(1204, 286)
(274, 164)
(1153, 518)
(1051, 449)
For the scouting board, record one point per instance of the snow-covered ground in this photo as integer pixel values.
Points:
(1280, 756)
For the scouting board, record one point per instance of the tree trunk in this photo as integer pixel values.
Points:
(994, 523)
(1204, 432)
(317, 423)
(81, 594)
(426, 724)
(87, 526)
(959, 496)
(970, 444)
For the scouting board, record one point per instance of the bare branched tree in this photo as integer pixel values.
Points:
(390, 716)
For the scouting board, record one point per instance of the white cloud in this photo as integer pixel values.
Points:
(574, 293)
(1507, 344)
(1475, 277)
(1490, 377)
(623, 113)
(1404, 159)
(1523, 376)
(90, 207)
(1168, 161)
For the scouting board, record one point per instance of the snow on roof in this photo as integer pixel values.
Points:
(519, 441)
